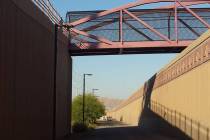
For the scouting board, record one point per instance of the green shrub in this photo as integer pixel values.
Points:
(94, 109)
(79, 127)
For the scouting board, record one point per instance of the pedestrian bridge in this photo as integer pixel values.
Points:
(36, 66)
(130, 30)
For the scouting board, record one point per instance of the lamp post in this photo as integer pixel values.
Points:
(83, 105)
(93, 90)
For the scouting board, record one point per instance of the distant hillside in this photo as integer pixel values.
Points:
(110, 103)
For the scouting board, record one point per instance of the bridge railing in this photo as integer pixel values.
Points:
(194, 129)
(47, 8)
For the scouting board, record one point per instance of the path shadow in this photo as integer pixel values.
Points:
(123, 133)
(150, 121)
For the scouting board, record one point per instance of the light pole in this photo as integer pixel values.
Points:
(83, 105)
(93, 90)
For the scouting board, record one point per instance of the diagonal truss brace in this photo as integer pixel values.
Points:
(147, 25)
(130, 5)
(101, 39)
(162, 7)
(107, 43)
(194, 14)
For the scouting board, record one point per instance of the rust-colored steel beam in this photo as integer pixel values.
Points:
(152, 45)
(145, 47)
(139, 44)
(175, 21)
(111, 21)
(81, 41)
(194, 14)
(104, 40)
(188, 26)
(147, 25)
(127, 6)
(138, 31)
(101, 24)
(104, 13)
(121, 27)
(185, 3)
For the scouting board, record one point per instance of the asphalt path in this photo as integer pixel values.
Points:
(114, 130)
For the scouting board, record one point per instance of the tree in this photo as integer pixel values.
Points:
(94, 109)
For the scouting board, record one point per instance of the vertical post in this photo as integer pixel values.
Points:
(169, 25)
(120, 31)
(55, 79)
(198, 130)
(191, 128)
(175, 21)
(120, 27)
(167, 115)
(171, 117)
(83, 103)
(175, 117)
(185, 124)
(180, 120)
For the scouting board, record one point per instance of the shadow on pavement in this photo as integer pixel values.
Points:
(128, 133)
(150, 126)
(155, 129)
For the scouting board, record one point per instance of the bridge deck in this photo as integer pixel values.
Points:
(135, 31)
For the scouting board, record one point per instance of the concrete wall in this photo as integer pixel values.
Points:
(130, 117)
(28, 83)
(179, 94)
(63, 88)
(189, 94)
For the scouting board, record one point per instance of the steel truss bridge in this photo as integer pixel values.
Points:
(168, 26)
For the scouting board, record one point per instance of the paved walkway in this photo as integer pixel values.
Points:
(117, 131)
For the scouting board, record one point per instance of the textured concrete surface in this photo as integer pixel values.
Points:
(27, 75)
(179, 93)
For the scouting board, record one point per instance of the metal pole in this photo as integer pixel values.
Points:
(120, 27)
(176, 21)
(83, 97)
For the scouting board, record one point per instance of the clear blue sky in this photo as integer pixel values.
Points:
(114, 76)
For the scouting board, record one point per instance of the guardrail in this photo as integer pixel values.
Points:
(194, 129)
(47, 8)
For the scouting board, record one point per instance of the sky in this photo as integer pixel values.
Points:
(84, 5)
(116, 76)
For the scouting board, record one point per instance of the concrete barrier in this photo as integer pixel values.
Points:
(35, 75)
(179, 93)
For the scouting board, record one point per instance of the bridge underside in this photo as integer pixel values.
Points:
(125, 30)
(129, 50)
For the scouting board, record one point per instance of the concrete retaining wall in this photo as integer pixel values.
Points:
(180, 93)
(131, 117)
(28, 85)
(134, 103)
